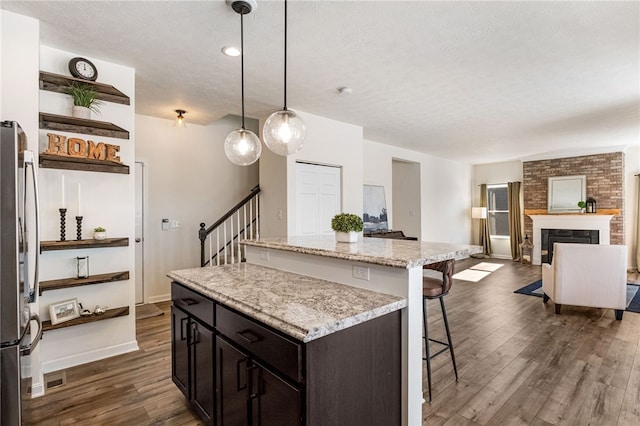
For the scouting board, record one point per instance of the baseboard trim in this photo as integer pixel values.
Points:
(161, 298)
(90, 356)
(37, 390)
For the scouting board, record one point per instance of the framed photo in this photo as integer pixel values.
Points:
(64, 311)
(375, 208)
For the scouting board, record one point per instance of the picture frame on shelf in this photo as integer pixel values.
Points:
(64, 311)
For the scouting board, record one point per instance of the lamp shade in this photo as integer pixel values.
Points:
(242, 147)
(284, 132)
(479, 212)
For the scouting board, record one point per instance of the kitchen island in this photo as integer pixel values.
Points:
(257, 345)
(384, 265)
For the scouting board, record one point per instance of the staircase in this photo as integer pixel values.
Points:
(219, 243)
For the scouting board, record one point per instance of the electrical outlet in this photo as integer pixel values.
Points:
(264, 255)
(361, 272)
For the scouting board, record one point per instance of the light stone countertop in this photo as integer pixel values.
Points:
(380, 251)
(302, 307)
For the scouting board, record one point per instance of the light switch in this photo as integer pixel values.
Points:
(165, 224)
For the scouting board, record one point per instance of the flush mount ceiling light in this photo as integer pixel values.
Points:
(242, 146)
(180, 118)
(284, 131)
(231, 51)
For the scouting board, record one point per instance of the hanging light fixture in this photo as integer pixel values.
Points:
(180, 118)
(284, 131)
(242, 146)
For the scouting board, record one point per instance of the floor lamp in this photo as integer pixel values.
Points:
(479, 213)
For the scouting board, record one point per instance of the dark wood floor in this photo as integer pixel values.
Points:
(518, 363)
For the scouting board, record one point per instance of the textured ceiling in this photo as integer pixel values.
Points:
(476, 82)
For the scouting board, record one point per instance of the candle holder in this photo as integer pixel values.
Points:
(63, 213)
(78, 228)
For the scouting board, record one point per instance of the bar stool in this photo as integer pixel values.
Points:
(435, 288)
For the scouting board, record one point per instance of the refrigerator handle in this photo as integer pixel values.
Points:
(26, 350)
(29, 160)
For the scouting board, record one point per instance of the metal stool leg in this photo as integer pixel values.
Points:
(446, 326)
(426, 344)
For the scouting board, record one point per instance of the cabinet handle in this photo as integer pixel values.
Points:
(249, 336)
(185, 302)
(194, 334)
(183, 328)
(255, 388)
(241, 374)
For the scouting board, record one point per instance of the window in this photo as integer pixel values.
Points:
(498, 210)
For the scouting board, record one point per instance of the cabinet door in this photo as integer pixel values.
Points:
(231, 385)
(273, 402)
(180, 350)
(202, 371)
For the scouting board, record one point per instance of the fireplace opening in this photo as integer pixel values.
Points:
(550, 236)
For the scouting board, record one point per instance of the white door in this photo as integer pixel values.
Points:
(318, 198)
(139, 240)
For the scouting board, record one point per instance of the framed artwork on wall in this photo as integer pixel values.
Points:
(375, 209)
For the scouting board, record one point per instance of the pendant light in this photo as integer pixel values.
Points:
(284, 131)
(242, 146)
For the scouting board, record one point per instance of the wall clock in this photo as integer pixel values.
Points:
(83, 68)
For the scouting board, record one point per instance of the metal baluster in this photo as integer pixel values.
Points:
(238, 240)
(244, 227)
(231, 242)
(251, 218)
(218, 246)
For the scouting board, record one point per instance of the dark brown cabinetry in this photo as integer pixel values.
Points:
(264, 377)
(192, 350)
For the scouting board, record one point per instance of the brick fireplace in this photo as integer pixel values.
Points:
(605, 183)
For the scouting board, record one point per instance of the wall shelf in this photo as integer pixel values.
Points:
(614, 212)
(59, 83)
(65, 123)
(90, 280)
(83, 244)
(49, 161)
(109, 313)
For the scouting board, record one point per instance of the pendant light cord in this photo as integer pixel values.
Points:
(242, 61)
(285, 55)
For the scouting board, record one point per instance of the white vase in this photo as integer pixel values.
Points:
(81, 112)
(99, 235)
(346, 237)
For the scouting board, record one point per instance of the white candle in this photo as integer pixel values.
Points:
(62, 191)
(79, 200)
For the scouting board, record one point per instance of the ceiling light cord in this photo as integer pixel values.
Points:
(285, 55)
(242, 62)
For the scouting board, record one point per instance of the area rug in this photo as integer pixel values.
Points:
(147, 311)
(486, 266)
(633, 294)
(470, 275)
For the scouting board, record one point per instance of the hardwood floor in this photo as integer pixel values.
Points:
(518, 363)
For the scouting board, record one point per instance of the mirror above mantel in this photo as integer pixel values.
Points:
(565, 192)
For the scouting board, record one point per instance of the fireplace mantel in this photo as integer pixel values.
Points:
(598, 221)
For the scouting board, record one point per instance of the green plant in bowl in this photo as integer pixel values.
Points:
(99, 229)
(347, 222)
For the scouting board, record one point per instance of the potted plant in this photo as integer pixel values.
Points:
(582, 206)
(84, 100)
(346, 226)
(99, 233)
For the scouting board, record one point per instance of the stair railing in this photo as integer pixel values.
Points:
(219, 243)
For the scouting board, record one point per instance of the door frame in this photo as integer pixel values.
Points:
(142, 226)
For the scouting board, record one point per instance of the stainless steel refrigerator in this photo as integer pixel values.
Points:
(19, 246)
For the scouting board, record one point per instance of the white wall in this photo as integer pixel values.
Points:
(407, 216)
(19, 68)
(189, 179)
(495, 173)
(632, 182)
(328, 142)
(107, 201)
(444, 190)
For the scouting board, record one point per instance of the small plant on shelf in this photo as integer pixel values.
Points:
(99, 233)
(84, 96)
(582, 205)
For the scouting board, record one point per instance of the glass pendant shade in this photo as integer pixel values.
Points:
(242, 147)
(284, 132)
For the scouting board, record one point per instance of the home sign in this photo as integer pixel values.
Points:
(79, 148)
